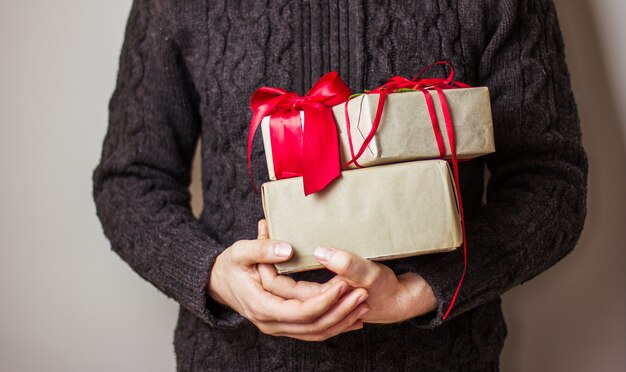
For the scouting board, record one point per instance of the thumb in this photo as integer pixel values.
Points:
(249, 252)
(357, 270)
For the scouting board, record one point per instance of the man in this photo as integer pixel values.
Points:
(187, 70)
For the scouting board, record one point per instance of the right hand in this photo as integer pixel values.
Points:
(302, 310)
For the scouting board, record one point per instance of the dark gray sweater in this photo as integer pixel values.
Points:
(187, 71)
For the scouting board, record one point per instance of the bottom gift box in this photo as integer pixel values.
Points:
(379, 213)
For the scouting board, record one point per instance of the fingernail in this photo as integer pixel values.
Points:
(282, 249)
(362, 298)
(323, 254)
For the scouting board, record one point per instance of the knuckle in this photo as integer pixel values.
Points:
(238, 245)
(264, 329)
(254, 313)
(237, 249)
(315, 329)
(248, 314)
(376, 270)
(268, 283)
(345, 263)
(259, 248)
(368, 281)
(371, 277)
(306, 317)
(261, 316)
(292, 286)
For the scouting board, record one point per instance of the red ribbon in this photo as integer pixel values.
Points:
(399, 83)
(311, 152)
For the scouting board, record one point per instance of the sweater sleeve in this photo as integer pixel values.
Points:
(536, 195)
(141, 184)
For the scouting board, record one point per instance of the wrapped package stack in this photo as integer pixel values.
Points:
(394, 196)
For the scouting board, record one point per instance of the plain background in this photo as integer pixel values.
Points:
(67, 303)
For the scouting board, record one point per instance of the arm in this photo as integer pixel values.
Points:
(141, 184)
(535, 206)
(142, 199)
(535, 198)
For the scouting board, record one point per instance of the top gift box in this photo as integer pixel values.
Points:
(402, 120)
(406, 131)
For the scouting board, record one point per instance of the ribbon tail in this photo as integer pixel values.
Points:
(259, 110)
(455, 169)
(320, 158)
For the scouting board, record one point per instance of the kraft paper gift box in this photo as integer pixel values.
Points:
(406, 132)
(379, 213)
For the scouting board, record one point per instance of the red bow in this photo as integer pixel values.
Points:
(417, 83)
(312, 152)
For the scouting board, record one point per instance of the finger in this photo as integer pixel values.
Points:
(354, 327)
(269, 307)
(249, 252)
(343, 309)
(349, 323)
(262, 230)
(357, 270)
(286, 287)
(335, 279)
(354, 318)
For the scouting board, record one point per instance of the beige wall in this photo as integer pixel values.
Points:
(69, 304)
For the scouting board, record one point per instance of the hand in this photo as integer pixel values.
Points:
(283, 285)
(391, 298)
(309, 311)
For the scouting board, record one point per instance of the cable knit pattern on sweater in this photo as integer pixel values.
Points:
(187, 71)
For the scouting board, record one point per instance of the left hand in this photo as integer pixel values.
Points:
(391, 298)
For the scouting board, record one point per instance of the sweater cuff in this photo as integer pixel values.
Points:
(442, 272)
(221, 315)
(191, 271)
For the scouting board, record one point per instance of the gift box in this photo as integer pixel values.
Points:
(378, 213)
(406, 129)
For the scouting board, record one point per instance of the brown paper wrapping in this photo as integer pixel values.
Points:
(405, 131)
(378, 213)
